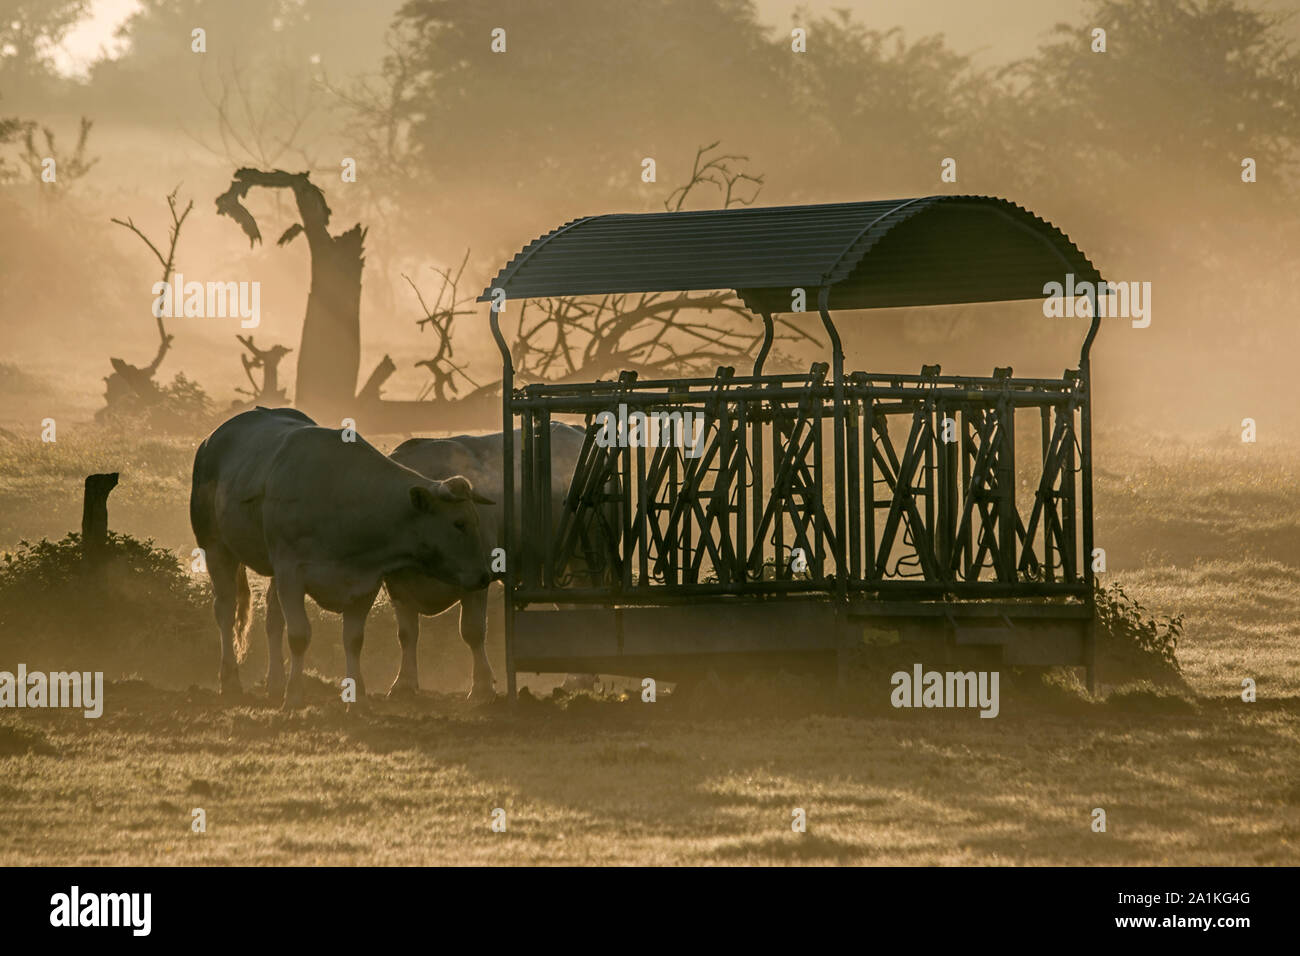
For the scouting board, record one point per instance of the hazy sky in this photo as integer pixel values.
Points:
(83, 42)
(993, 29)
(990, 30)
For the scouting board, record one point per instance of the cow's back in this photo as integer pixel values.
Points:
(334, 494)
(229, 480)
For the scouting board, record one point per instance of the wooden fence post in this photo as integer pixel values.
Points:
(94, 516)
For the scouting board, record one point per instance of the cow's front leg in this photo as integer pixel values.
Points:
(408, 635)
(354, 634)
(473, 631)
(292, 598)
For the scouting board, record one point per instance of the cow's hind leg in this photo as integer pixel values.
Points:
(292, 604)
(408, 635)
(223, 570)
(473, 631)
(274, 643)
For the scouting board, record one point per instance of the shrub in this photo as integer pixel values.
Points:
(1127, 623)
(136, 609)
(182, 406)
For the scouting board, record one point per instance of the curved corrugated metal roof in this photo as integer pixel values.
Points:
(932, 250)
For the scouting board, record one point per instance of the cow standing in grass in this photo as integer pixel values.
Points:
(325, 517)
(479, 457)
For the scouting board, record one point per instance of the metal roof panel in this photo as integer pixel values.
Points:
(928, 250)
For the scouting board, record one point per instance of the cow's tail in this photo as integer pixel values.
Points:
(243, 613)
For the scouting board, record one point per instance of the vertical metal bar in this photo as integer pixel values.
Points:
(869, 482)
(546, 482)
(670, 540)
(530, 567)
(1007, 489)
(758, 496)
(953, 450)
(1047, 507)
(943, 534)
(929, 465)
(780, 435)
(969, 417)
(643, 516)
(818, 506)
(837, 365)
(722, 484)
(741, 571)
(508, 506)
(768, 333)
(1085, 427)
(690, 481)
(626, 516)
(855, 493)
(1070, 503)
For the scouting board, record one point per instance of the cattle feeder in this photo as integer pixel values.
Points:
(817, 510)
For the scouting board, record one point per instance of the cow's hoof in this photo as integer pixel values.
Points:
(292, 699)
(482, 694)
(401, 689)
(230, 687)
(275, 692)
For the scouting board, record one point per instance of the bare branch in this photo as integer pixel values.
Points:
(168, 264)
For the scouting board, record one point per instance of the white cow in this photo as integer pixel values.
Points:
(323, 517)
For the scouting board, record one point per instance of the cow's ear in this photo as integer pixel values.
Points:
(458, 488)
(423, 499)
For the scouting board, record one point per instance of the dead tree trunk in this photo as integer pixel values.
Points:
(94, 517)
(329, 357)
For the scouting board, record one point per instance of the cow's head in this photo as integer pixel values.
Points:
(448, 545)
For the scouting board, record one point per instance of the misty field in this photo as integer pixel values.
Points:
(210, 206)
(626, 782)
(1187, 772)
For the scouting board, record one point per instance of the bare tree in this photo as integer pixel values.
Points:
(263, 122)
(139, 380)
(568, 338)
(578, 339)
(329, 356)
(446, 308)
(68, 167)
(377, 125)
(379, 109)
(716, 171)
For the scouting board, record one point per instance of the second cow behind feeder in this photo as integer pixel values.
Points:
(478, 458)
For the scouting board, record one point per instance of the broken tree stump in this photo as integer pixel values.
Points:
(383, 371)
(94, 516)
(268, 360)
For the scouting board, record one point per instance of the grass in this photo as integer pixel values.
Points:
(1187, 772)
(1243, 620)
(1165, 501)
(41, 483)
(626, 782)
